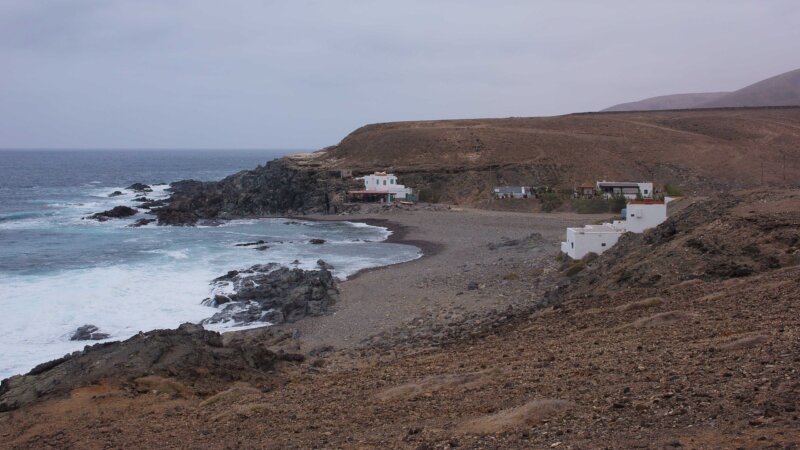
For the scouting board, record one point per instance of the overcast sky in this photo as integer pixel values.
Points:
(302, 74)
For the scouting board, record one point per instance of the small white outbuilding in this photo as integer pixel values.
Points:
(640, 215)
(591, 238)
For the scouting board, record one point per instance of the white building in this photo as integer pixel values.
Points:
(640, 215)
(630, 190)
(591, 238)
(381, 182)
(513, 192)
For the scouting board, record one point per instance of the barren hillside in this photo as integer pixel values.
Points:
(674, 101)
(705, 150)
(461, 161)
(780, 90)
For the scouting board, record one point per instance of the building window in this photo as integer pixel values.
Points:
(603, 244)
(572, 244)
(391, 181)
(384, 182)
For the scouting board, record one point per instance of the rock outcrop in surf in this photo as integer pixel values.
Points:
(190, 355)
(280, 187)
(274, 294)
(116, 212)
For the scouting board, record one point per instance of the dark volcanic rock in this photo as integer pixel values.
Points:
(115, 194)
(88, 333)
(153, 204)
(248, 244)
(142, 198)
(190, 354)
(140, 187)
(324, 265)
(317, 241)
(114, 213)
(141, 223)
(280, 187)
(265, 293)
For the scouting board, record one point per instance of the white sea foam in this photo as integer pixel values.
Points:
(40, 312)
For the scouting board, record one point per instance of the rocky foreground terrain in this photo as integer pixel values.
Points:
(684, 337)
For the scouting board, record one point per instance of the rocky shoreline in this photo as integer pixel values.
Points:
(280, 187)
(272, 294)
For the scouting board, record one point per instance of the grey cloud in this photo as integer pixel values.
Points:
(301, 74)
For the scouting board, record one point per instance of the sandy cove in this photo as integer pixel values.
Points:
(456, 243)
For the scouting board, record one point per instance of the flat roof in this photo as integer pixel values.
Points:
(596, 229)
(618, 183)
(368, 192)
(645, 201)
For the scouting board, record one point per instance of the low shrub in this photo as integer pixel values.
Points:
(591, 205)
(575, 267)
(589, 257)
(427, 195)
(511, 276)
(550, 201)
(673, 191)
(616, 203)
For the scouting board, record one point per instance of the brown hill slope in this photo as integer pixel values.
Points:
(780, 90)
(460, 161)
(705, 150)
(674, 101)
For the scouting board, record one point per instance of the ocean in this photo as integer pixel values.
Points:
(59, 271)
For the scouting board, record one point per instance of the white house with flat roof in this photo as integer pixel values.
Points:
(640, 215)
(513, 192)
(628, 189)
(385, 183)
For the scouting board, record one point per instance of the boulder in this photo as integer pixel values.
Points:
(324, 265)
(141, 223)
(317, 241)
(115, 194)
(153, 204)
(114, 213)
(88, 333)
(269, 293)
(140, 187)
(248, 244)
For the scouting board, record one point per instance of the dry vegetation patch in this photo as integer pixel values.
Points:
(745, 342)
(435, 383)
(641, 304)
(529, 414)
(663, 319)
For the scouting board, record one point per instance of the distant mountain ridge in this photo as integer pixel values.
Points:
(780, 90)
